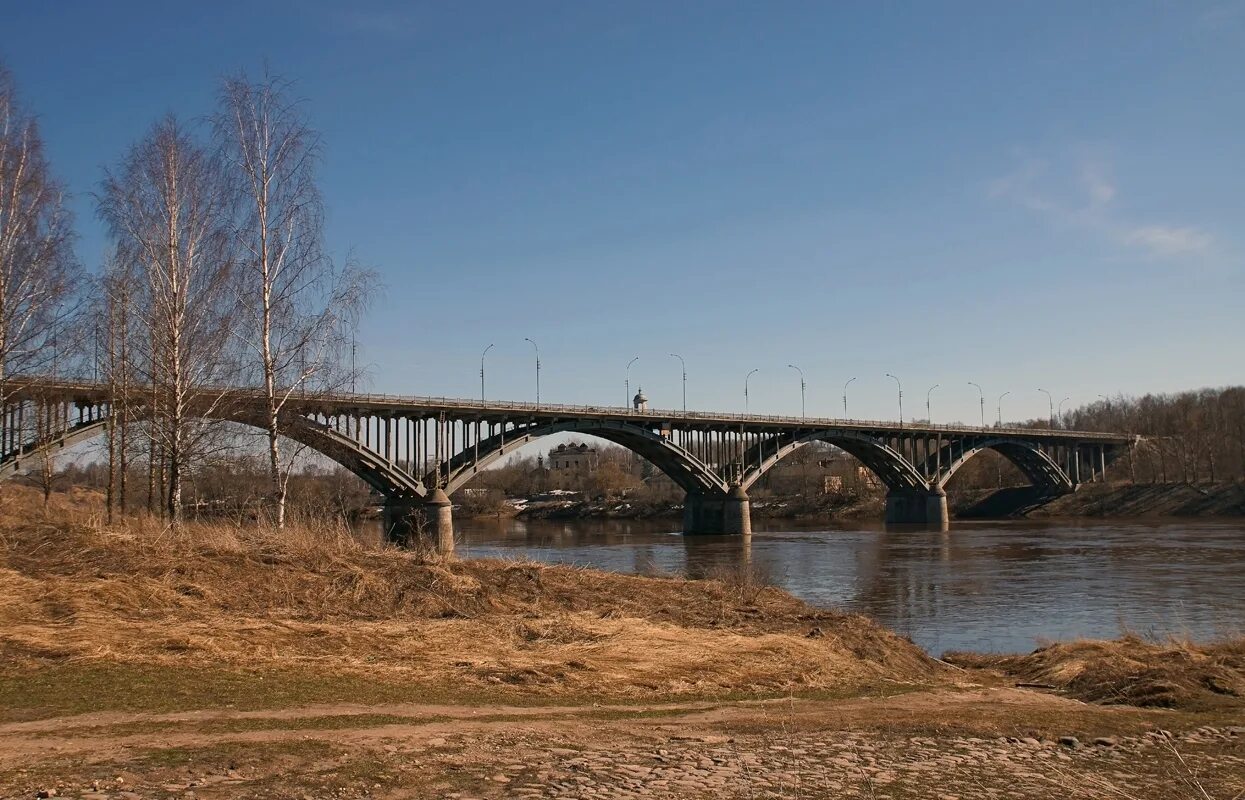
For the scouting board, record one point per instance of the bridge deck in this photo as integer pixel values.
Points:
(501, 410)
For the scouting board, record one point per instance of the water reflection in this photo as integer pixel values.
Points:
(995, 586)
(718, 556)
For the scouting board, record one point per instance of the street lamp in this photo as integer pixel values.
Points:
(746, 378)
(537, 348)
(684, 363)
(900, 385)
(1050, 401)
(627, 383)
(1061, 402)
(849, 383)
(983, 403)
(482, 355)
(1005, 394)
(929, 416)
(797, 369)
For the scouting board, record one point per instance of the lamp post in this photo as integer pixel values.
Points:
(900, 385)
(482, 355)
(849, 383)
(983, 403)
(929, 415)
(627, 383)
(684, 365)
(1005, 394)
(1061, 402)
(537, 348)
(1050, 401)
(746, 379)
(802, 384)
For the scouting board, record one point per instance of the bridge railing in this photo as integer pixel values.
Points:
(678, 415)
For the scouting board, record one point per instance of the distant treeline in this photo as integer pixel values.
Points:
(1188, 437)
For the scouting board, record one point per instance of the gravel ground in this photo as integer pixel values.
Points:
(1204, 763)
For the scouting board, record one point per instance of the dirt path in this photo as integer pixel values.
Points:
(972, 741)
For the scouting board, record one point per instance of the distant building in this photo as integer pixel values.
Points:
(573, 457)
(640, 401)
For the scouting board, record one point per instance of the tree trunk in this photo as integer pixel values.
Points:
(152, 464)
(270, 371)
(122, 419)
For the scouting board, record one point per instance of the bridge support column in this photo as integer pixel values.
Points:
(398, 521)
(440, 513)
(917, 507)
(407, 519)
(717, 514)
(737, 512)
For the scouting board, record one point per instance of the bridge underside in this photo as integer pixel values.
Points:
(416, 458)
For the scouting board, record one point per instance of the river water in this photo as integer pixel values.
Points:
(988, 586)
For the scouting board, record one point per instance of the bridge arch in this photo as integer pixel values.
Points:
(689, 472)
(1037, 465)
(884, 461)
(374, 470)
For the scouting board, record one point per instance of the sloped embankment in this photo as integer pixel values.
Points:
(211, 594)
(1154, 500)
(1105, 500)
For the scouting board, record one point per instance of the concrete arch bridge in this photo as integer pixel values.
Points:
(417, 451)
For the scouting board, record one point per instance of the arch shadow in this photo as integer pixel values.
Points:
(1041, 470)
(378, 473)
(691, 474)
(884, 461)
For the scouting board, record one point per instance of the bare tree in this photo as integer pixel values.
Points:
(114, 315)
(38, 273)
(299, 311)
(169, 208)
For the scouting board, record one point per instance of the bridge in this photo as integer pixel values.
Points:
(417, 451)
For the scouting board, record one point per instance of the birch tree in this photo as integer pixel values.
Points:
(169, 207)
(114, 314)
(298, 309)
(38, 273)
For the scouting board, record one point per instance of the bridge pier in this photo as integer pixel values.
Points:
(404, 519)
(737, 512)
(440, 513)
(395, 520)
(718, 515)
(917, 507)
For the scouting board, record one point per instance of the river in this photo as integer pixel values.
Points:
(983, 586)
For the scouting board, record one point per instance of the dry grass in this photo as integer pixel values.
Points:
(73, 590)
(1131, 671)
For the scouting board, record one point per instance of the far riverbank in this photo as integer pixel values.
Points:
(1090, 500)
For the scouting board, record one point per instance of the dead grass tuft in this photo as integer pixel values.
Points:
(1131, 671)
(75, 590)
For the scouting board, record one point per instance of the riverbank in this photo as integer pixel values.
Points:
(839, 506)
(1123, 500)
(1090, 500)
(239, 662)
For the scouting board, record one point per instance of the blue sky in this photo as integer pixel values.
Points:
(1018, 194)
